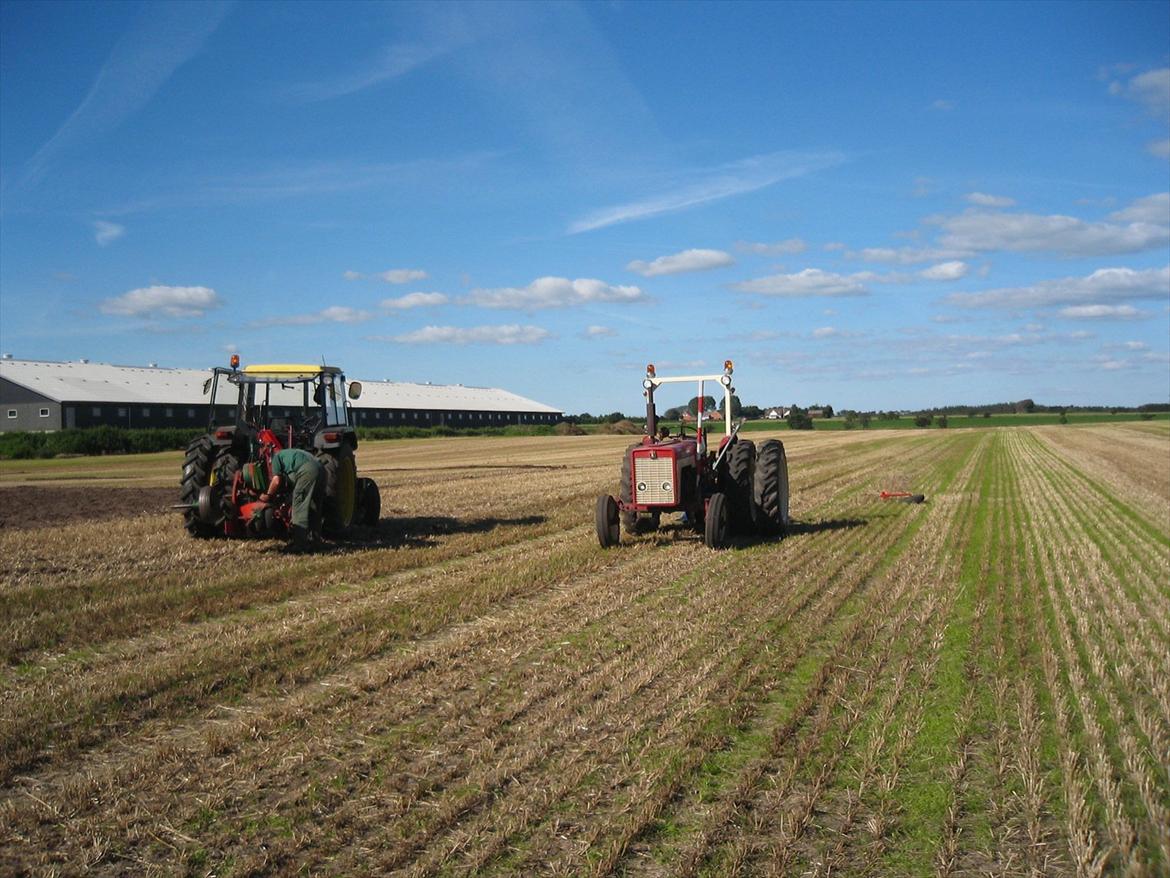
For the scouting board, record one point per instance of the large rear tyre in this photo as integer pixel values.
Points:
(771, 488)
(340, 490)
(717, 528)
(741, 473)
(605, 517)
(197, 469)
(369, 502)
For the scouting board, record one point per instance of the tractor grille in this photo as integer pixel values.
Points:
(654, 480)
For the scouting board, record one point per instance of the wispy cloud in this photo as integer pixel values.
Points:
(984, 200)
(389, 63)
(984, 231)
(736, 178)
(681, 263)
(163, 38)
(810, 282)
(1101, 312)
(553, 292)
(1151, 209)
(415, 300)
(1101, 286)
(333, 314)
(1151, 89)
(162, 301)
(598, 332)
(507, 334)
(779, 248)
(105, 232)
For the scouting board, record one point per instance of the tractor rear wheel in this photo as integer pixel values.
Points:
(716, 530)
(369, 502)
(340, 489)
(741, 473)
(197, 469)
(771, 488)
(605, 518)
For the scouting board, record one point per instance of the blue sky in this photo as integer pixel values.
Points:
(874, 205)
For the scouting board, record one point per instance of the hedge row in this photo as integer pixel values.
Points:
(119, 440)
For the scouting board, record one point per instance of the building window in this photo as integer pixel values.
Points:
(145, 412)
(96, 411)
(12, 413)
(170, 413)
(121, 413)
(190, 413)
(44, 413)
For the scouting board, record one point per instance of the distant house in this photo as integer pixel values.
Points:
(777, 413)
(816, 413)
(708, 415)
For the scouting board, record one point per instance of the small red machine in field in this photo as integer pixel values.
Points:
(724, 491)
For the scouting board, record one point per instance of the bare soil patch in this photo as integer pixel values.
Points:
(30, 507)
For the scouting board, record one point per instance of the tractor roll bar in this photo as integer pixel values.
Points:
(652, 381)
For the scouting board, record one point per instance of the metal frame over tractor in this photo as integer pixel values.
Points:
(730, 490)
(275, 407)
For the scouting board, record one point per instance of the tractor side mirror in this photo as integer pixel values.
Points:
(355, 389)
(207, 387)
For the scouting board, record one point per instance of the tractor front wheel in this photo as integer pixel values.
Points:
(771, 488)
(369, 502)
(609, 532)
(340, 490)
(716, 530)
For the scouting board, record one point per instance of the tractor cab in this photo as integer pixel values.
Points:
(305, 406)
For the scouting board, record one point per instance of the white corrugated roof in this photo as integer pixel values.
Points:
(102, 382)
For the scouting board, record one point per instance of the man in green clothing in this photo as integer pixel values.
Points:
(303, 474)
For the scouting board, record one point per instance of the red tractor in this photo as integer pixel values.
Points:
(254, 413)
(730, 490)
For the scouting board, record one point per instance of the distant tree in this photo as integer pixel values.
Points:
(1145, 416)
(942, 421)
(751, 412)
(1063, 418)
(1025, 407)
(614, 417)
(850, 420)
(798, 419)
(736, 408)
(708, 404)
(987, 414)
(865, 416)
(828, 411)
(970, 413)
(672, 414)
(923, 420)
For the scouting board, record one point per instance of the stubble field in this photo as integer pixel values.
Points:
(979, 685)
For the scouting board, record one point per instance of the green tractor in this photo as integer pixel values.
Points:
(271, 408)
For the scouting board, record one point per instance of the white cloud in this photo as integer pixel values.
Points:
(944, 271)
(1151, 209)
(599, 332)
(553, 292)
(680, 263)
(737, 178)
(1159, 148)
(906, 255)
(106, 232)
(352, 275)
(163, 301)
(1101, 312)
(982, 231)
(810, 282)
(508, 334)
(402, 275)
(779, 248)
(415, 300)
(825, 332)
(943, 105)
(1103, 284)
(984, 200)
(1135, 346)
(332, 314)
(1151, 89)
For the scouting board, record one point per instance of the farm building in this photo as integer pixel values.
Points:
(42, 395)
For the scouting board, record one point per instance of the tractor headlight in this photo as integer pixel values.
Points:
(641, 487)
(668, 487)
